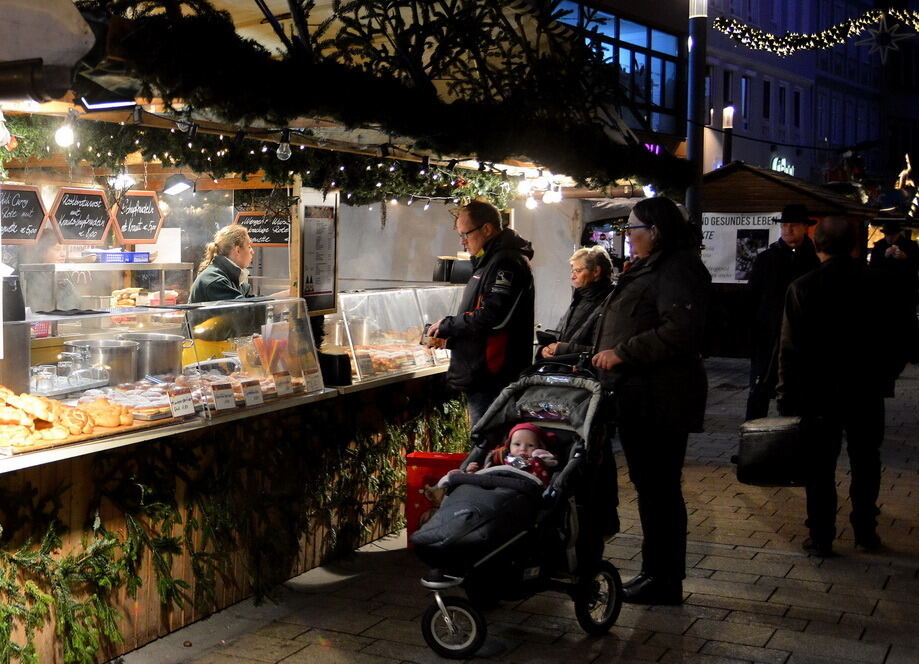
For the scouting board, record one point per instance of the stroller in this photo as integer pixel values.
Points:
(499, 534)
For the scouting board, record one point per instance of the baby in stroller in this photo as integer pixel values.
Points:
(524, 448)
(507, 532)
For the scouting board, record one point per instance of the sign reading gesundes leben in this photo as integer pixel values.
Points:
(138, 218)
(81, 216)
(22, 213)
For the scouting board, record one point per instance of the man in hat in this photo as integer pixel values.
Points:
(786, 259)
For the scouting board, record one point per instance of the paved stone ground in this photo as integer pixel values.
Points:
(751, 595)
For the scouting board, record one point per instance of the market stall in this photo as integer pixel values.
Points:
(740, 203)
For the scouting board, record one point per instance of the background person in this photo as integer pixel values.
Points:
(590, 275)
(224, 273)
(785, 260)
(491, 337)
(826, 375)
(648, 345)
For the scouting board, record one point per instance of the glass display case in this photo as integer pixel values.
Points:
(84, 377)
(436, 302)
(103, 286)
(381, 331)
(246, 352)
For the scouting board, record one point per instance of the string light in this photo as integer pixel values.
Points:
(792, 42)
(283, 152)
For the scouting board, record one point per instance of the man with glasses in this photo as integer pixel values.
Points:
(491, 337)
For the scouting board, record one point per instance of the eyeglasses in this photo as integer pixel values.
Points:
(577, 270)
(464, 236)
(629, 229)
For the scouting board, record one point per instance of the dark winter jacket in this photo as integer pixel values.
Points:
(903, 271)
(654, 320)
(578, 326)
(773, 270)
(491, 337)
(834, 317)
(218, 281)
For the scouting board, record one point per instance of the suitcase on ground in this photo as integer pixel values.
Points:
(771, 451)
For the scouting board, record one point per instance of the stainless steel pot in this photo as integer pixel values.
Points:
(360, 331)
(335, 333)
(158, 354)
(117, 356)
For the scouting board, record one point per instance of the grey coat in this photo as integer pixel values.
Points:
(654, 320)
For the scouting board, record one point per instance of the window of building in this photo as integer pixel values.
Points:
(780, 104)
(767, 99)
(709, 72)
(727, 88)
(796, 109)
(745, 97)
(649, 62)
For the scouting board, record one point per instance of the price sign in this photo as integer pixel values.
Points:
(252, 392)
(266, 229)
(283, 383)
(81, 216)
(223, 396)
(422, 359)
(312, 381)
(138, 218)
(22, 214)
(180, 402)
(364, 364)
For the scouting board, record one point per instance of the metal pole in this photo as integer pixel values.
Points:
(695, 106)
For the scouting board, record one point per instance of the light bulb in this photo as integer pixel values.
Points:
(427, 206)
(283, 151)
(394, 201)
(531, 203)
(410, 201)
(64, 135)
(523, 187)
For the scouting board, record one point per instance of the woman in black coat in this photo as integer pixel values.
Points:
(648, 345)
(591, 269)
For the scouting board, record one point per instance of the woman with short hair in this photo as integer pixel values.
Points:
(591, 270)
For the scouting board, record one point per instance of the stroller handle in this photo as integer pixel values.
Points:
(577, 363)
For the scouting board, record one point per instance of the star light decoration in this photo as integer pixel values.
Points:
(884, 38)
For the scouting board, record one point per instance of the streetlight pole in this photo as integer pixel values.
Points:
(695, 106)
(727, 124)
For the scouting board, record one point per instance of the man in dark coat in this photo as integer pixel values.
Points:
(898, 255)
(491, 337)
(826, 375)
(786, 259)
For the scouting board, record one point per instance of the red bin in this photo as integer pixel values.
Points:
(422, 497)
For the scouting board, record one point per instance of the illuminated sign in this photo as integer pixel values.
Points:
(782, 165)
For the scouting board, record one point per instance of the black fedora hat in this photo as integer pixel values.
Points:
(795, 213)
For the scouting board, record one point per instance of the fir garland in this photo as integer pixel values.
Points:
(546, 101)
(792, 42)
(362, 180)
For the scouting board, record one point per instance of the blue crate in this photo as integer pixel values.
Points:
(111, 257)
(137, 256)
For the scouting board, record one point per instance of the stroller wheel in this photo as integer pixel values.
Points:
(598, 600)
(456, 634)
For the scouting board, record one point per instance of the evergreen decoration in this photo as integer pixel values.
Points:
(343, 477)
(361, 180)
(883, 38)
(489, 80)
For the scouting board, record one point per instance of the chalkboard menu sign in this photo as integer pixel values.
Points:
(22, 213)
(138, 218)
(81, 216)
(266, 229)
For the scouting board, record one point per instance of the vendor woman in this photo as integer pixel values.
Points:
(224, 274)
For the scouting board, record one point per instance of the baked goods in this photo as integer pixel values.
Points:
(125, 297)
(50, 432)
(76, 420)
(5, 393)
(14, 416)
(38, 408)
(106, 413)
(16, 435)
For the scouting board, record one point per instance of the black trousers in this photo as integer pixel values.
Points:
(863, 424)
(655, 458)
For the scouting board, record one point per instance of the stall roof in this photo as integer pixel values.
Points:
(740, 187)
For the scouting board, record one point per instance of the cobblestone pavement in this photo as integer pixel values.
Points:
(752, 595)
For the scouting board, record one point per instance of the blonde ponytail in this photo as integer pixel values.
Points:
(234, 235)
